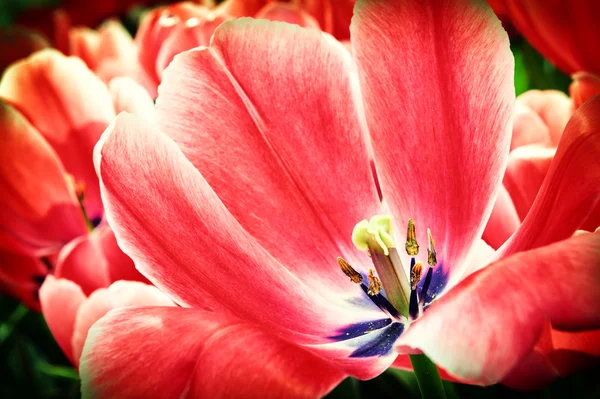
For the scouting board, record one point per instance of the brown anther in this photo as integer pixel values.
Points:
(374, 283)
(412, 247)
(349, 271)
(415, 275)
(431, 254)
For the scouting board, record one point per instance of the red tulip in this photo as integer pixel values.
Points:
(239, 200)
(565, 32)
(53, 109)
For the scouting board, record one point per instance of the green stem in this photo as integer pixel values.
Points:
(428, 377)
(7, 328)
(58, 371)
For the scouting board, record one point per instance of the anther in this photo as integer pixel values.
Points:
(349, 271)
(431, 254)
(415, 275)
(412, 247)
(374, 283)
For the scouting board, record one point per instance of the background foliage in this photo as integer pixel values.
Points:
(33, 365)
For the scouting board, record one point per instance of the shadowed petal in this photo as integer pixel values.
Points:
(69, 105)
(584, 87)
(571, 189)
(21, 277)
(440, 120)
(39, 211)
(273, 126)
(503, 221)
(290, 13)
(493, 318)
(136, 345)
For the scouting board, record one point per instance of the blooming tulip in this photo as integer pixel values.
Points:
(257, 177)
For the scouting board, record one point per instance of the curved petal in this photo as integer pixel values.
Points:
(60, 300)
(95, 260)
(80, 261)
(192, 33)
(535, 371)
(503, 222)
(119, 295)
(334, 16)
(155, 27)
(527, 167)
(440, 120)
(68, 105)
(180, 236)
(245, 361)
(39, 211)
(571, 189)
(564, 32)
(130, 96)
(584, 87)
(83, 43)
(482, 342)
(553, 108)
(115, 42)
(288, 159)
(290, 13)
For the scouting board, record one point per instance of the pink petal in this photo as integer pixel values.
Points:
(180, 236)
(95, 260)
(84, 43)
(38, 209)
(290, 13)
(136, 345)
(527, 167)
(81, 262)
(68, 105)
(60, 300)
(440, 119)
(554, 110)
(118, 295)
(482, 340)
(155, 27)
(240, 8)
(571, 189)
(585, 86)
(503, 221)
(130, 96)
(115, 42)
(194, 32)
(535, 371)
(289, 154)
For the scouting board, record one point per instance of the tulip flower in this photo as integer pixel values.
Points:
(168, 31)
(70, 313)
(252, 203)
(539, 122)
(52, 112)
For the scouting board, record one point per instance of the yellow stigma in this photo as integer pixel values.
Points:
(374, 283)
(415, 275)
(349, 271)
(412, 247)
(431, 254)
(374, 234)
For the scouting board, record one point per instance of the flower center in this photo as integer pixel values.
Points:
(79, 188)
(401, 295)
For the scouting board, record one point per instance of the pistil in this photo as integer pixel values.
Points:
(375, 236)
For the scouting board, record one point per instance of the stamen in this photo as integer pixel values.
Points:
(79, 189)
(432, 261)
(415, 275)
(374, 283)
(349, 271)
(431, 254)
(412, 247)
